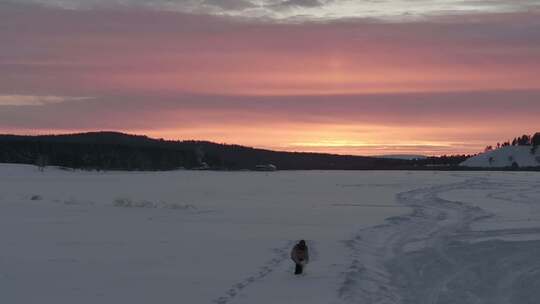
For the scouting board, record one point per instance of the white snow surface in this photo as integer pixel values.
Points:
(225, 237)
(505, 157)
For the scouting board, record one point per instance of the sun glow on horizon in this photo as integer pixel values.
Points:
(338, 139)
(344, 143)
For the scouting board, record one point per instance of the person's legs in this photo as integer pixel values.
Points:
(298, 269)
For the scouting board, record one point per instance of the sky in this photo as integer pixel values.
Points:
(368, 77)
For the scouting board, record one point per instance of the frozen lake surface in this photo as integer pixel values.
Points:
(224, 237)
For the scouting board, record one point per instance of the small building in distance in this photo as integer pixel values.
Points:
(267, 167)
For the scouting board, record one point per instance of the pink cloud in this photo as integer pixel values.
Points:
(182, 75)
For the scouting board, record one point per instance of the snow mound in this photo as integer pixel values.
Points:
(505, 157)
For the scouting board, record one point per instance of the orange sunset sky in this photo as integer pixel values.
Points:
(349, 77)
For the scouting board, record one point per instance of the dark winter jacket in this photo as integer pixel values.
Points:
(300, 254)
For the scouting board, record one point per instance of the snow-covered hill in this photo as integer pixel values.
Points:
(505, 157)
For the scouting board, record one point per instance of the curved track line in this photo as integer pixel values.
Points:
(422, 258)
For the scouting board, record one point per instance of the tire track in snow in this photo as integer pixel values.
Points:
(280, 255)
(421, 257)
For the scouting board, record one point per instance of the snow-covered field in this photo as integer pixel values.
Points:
(224, 237)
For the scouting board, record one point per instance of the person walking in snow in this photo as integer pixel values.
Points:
(300, 256)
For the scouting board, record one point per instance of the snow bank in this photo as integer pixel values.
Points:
(505, 157)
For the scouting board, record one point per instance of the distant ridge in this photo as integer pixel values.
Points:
(109, 150)
(102, 137)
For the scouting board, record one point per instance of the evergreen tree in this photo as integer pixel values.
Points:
(535, 142)
(524, 140)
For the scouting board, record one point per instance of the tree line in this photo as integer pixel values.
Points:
(94, 156)
(118, 151)
(525, 140)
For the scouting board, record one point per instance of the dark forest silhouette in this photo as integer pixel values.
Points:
(118, 151)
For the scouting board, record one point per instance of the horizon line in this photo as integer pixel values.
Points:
(135, 134)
